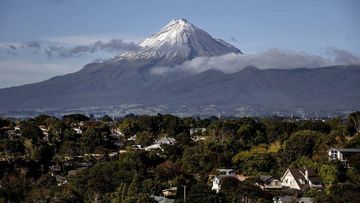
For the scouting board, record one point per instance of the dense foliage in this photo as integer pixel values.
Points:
(251, 146)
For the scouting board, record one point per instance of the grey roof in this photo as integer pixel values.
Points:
(162, 199)
(167, 139)
(267, 178)
(348, 149)
(225, 169)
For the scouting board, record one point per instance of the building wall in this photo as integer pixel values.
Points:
(289, 181)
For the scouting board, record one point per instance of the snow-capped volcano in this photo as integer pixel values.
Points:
(125, 84)
(179, 41)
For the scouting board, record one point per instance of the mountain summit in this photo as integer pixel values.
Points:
(179, 41)
(125, 84)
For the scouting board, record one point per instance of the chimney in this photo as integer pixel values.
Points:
(306, 174)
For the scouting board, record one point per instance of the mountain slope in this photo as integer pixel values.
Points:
(126, 80)
(328, 88)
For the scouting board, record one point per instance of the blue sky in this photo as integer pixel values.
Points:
(252, 26)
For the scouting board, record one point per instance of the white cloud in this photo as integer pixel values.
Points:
(74, 40)
(340, 56)
(56, 50)
(272, 58)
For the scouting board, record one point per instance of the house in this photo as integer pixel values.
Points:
(196, 134)
(166, 140)
(153, 147)
(223, 174)
(162, 199)
(291, 199)
(198, 138)
(117, 131)
(59, 179)
(269, 182)
(78, 131)
(45, 131)
(113, 154)
(14, 134)
(118, 143)
(197, 130)
(342, 154)
(170, 191)
(136, 147)
(157, 144)
(301, 179)
(115, 135)
(132, 138)
(85, 164)
(55, 168)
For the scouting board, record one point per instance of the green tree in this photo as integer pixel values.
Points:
(76, 117)
(135, 186)
(354, 122)
(4, 123)
(144, 138)
(301, 143)
(329, 174)
(29, 130)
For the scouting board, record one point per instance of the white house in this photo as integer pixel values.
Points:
(301, 179)
(132, 138)
(166, 140)
(153, 147)
(170, 191)
(197, 130)
(117, 131)
(78, 130)
(224, 174)
(136, 147)
(157, 144)
(45, 132)
(342, 154)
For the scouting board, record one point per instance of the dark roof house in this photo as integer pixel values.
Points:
(301, 179)
(269, 182)
(343, 154)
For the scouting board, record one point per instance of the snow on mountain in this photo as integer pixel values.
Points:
(126, 85)
(179, 41)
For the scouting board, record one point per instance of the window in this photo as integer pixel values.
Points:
(316, 183)
(333, 154)
(232, 172)
(222, 172)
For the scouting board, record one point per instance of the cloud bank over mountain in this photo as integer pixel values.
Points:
(272, 58)
(58, 50)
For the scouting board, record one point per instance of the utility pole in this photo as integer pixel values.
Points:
(42, 169)
(184, 186)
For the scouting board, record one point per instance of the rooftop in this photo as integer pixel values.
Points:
(346, 149)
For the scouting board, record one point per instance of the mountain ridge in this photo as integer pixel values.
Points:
(126, 80)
